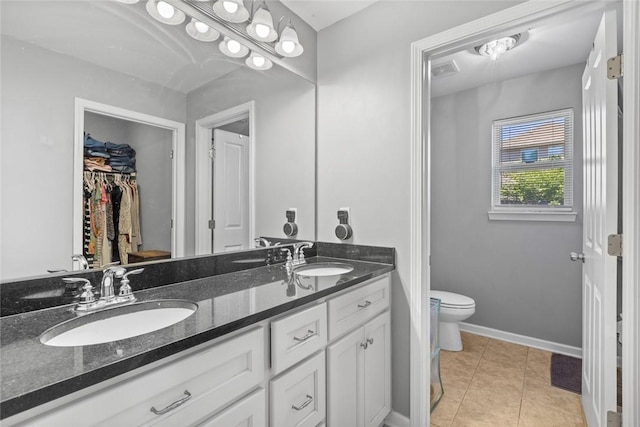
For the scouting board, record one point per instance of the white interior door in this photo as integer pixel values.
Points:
(600, 220)
(230, 191)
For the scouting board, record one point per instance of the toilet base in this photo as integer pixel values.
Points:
(450, 339)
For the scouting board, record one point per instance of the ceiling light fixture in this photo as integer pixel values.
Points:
(261, 26)
(258, 62)
(201, 31)
(208, 22)
(493, 49)
(233, 48)
(164, 12)
(231, 10)
(288, 45)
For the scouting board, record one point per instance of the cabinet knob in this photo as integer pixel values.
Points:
(364, 345)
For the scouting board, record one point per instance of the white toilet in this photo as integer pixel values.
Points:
(454, 308)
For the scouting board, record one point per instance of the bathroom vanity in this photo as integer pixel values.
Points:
(265, 346)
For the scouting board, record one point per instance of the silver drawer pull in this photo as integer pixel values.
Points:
(174, 405)
(304, 405)
(310, 334)
(365, 305)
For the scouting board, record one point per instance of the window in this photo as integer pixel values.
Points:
(533, 166)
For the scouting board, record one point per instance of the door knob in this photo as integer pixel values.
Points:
(576, 256)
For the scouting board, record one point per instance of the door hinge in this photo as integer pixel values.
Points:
(212, 224)
(171, 223)
(615, 67)
(212, 152)
(614, 244)
(614, 419)
(171, 154)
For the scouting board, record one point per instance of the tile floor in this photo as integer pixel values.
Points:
(495, 383)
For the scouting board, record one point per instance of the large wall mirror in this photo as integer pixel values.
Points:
(57, 55)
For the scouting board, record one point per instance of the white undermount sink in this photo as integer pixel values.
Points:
(118, 323)
(323, 269)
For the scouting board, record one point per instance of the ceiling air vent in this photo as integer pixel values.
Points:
(445, 69)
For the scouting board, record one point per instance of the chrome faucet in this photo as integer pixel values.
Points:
(88, 301)
(261, 241)
(106, 284)
(82, 261)
(298, 252)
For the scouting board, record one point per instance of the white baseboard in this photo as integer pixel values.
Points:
(523, 340)
(396, 419)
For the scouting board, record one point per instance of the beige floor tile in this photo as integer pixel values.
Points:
(507, 347)
(502, 389)
(455, 385)
(538, 371)
(468, 417)
(500, 369)
(475, 344)
(535, 414)
(540, 356)
(504, 403)
(460, 360)
(516, 360)
(546, 394)
(445, 412)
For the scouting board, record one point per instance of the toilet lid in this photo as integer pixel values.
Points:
(449, 299)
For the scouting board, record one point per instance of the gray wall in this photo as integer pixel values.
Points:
(38, 90)
(284, 141)
(518, 272)
(364, 136)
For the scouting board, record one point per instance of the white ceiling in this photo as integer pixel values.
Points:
(323, 13)
(542, 47)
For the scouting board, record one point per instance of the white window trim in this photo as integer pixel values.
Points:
(531, 213)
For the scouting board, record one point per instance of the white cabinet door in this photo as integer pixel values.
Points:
(248, 412)
(377, 370)
(343, 380)
(359, 376)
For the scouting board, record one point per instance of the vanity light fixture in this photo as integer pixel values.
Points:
(261, 26)
(164, 12)
(231, 10)
(201, 31)
(288, 44)
(128, 1)
(258, 62)
(494, 48)
(233, 48)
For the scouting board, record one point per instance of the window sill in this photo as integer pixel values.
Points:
(532, 216)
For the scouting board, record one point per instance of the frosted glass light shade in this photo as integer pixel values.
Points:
(261, 26)
(258, 62)
(225, 9)
(195, 29)
(494, 48)
(164, 12)
(233, 48)
(288, 45)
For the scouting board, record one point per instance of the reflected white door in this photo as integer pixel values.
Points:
(231, 191)
(600, 220)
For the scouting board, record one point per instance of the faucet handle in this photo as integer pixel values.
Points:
(87, 296)
(125, 289)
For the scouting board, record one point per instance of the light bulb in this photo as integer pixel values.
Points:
(258, 61)
(230, 7)
(262, 30)
(233, 46)
(201, 27)
(165, 10)
(288, 46)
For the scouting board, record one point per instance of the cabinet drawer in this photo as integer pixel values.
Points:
(195, 386)
(250, 411)
(297, 336)
(348, 311)
(298, 397)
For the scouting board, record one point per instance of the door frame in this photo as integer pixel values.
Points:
(204, 172)
(420, 191)
(178, 203)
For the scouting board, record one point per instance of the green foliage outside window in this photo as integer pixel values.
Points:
(533, 187)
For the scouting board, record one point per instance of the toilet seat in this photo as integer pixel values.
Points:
(452, 300)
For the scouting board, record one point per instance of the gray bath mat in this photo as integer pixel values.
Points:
(566, 373)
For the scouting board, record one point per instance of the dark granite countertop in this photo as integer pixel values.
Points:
(34, 373)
